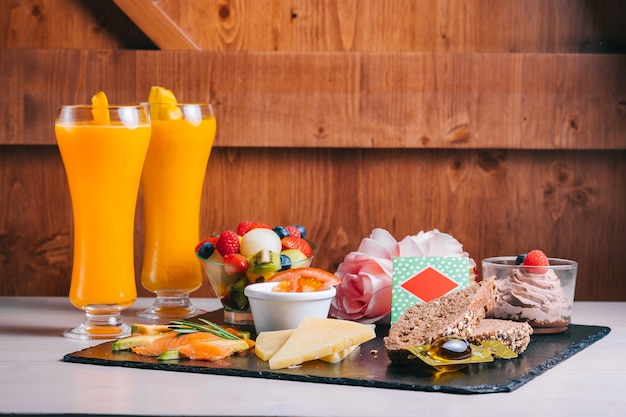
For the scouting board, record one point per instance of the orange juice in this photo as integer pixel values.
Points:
(171, 182)
(103, 164)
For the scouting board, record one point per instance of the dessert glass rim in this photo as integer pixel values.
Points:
(509, 261)
(314, 248)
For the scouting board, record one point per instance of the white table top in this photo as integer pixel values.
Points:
(34, 379)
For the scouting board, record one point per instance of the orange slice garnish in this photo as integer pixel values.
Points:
(100, 109)
(163, 104)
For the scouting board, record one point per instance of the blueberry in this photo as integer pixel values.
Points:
(285, 262)
(206, 250)
(520, 259)
(281, 231)
(302, 230)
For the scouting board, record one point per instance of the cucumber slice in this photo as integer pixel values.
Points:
(134, 341)
(244, 334)
(169, 355)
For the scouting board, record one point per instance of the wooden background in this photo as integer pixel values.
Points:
(502, 123)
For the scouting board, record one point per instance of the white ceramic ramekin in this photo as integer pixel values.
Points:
(284, 310)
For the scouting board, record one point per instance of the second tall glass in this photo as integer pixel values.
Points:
(172, 181)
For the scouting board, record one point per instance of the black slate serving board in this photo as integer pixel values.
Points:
(366, 368)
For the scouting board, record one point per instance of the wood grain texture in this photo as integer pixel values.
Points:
(68, 24)
(495, 202)
(560, 26)
(157, 25)
(530, 26)
(374, 100)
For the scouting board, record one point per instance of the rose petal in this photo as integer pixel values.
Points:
(379, 305)
(355, 261)
(384, 239)
(363, 297)
(432, 243)
(410, 247)
(379, 248)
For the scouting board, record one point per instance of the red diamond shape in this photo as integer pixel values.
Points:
(429, 284)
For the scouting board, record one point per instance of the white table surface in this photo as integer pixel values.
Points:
(35, 380)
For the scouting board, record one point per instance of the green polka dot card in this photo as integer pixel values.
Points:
(418, 280)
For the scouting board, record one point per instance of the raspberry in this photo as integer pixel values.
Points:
(228, 242)
(291, 242)
(537, 261)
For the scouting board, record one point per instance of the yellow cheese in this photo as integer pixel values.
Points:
(339, 356)
(268, 343)
(316, 337)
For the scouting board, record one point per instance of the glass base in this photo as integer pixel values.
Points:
(238, 317)
(99, 326)
(171, 307)
(550, 330)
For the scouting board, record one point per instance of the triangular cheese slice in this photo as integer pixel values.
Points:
(318, 337)
(339, 356)
(269, 342)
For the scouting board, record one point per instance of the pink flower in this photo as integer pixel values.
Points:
(364, 294)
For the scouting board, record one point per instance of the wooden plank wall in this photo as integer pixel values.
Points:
(502, 125)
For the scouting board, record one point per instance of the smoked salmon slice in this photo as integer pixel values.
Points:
(206, 351)
(173, 341)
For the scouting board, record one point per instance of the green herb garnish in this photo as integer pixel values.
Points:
(184, 326)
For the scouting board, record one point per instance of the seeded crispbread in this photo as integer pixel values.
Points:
(455, 314)
(512, 334)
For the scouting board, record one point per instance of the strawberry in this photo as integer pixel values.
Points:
(291, 242)
(228, 242)
(245, 226)
(234, 263)
(537, 261)
(293, 231)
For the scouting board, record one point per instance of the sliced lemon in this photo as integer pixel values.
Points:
(100, 109)
(163, 104)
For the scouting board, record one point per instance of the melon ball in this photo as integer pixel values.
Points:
(258, 239)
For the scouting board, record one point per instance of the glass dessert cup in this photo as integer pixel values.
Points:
(103, 151)
(542, 296)
(172, 180)
(229, 288)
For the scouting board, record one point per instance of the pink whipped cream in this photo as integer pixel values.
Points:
(537, 298)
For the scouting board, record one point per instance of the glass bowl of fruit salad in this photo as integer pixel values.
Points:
(252, 253)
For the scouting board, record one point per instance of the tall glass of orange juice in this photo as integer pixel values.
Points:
(103, 151)
(171, 183)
